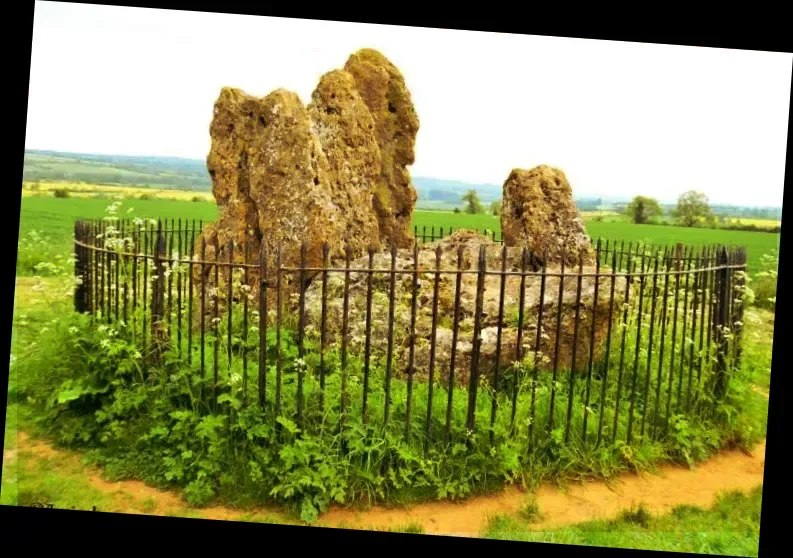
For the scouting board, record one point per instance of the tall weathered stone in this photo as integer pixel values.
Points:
(538, 212)
(382, 88)
(350, 164)
(333, 171)
(227, 165)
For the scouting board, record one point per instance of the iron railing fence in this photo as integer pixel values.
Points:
(438, 345)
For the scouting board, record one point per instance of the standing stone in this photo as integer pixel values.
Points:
(334, 171)
(227, 166)
(538, 212)
(382, 88)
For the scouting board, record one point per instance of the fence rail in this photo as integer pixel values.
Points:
(433, 345)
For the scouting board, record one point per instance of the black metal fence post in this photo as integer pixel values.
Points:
(263, 283)
(158, 294)
(722, 294)
(473, 380)
(739, 314)
(80, 268)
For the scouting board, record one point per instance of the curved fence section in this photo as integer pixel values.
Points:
(441, 344)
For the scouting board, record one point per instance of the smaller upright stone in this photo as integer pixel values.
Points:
(538, 212)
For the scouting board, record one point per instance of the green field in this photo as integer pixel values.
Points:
(730, 527)
(138, 171)
(54, 218)
(756, 243)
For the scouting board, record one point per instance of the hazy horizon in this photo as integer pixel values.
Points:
(604, 196)
(620, 119)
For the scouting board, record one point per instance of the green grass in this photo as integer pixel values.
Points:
(731, 526)
(358, 472)
(54, 218)
(756, 357)
(413, 528)
(54, 480)
(756, 243)
(59, 481)
(448, 219)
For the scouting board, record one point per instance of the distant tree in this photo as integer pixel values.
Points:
(473, 205)
(495, 208)
(457, 210)
(642, 209)
(692, 207)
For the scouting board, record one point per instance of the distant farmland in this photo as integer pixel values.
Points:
(55, 218)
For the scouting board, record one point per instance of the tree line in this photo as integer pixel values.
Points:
(692, 210)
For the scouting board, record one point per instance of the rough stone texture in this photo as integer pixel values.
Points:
(538, 212)
(448, 247)
(333, 171)
(382, 88)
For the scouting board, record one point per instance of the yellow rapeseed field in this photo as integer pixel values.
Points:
(82, 190)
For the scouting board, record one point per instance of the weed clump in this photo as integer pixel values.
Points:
(638, 515)
(530, 510)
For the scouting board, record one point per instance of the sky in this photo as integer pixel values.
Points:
(619, 118)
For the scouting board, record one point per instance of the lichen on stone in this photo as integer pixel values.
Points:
(334, 171)
(538, 212)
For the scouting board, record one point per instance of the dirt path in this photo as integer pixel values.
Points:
(131, 496)
(660, 492)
